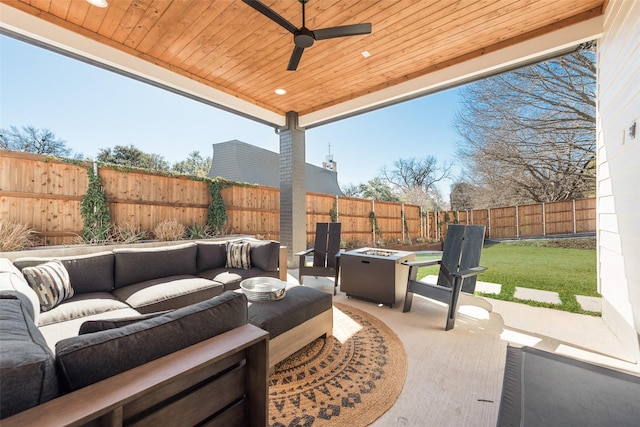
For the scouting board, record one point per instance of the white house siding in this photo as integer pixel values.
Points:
(618, 158)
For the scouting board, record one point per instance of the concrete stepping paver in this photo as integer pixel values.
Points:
(488, 288)
(537, 295)
(590, 303)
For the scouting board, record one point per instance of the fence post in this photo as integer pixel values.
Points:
(337, 210)
(489, 222)
(420, 216)
(517, 224)
(573, 213)
(427, 221)
(402, 220)
(544, 222)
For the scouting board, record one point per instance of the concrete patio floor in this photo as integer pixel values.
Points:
(454, 378)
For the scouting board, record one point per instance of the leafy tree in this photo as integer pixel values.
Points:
(194, 165)
(33, 140)
(529, 135)
(133, 157)
(376, 189)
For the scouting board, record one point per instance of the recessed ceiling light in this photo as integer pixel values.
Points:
(366, 53)
(98, 3)
(280, 91)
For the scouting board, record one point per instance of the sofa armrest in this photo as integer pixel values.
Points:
(226, 371)
(282, 263)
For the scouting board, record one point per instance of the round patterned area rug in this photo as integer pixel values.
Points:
(349, 379)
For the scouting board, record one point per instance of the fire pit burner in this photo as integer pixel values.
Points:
(378, 252)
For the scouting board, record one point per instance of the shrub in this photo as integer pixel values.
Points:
(169, 230)
(15, 236)
(197, 231)
(127, 233)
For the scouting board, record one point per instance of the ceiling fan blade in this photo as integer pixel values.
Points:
(269, 13)
(343, 31)
(295, 58)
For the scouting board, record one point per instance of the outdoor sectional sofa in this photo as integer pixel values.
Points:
(150, 335)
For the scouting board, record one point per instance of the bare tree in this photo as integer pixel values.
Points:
(32, 140)
(414, 180)
(529, 135)
(462, 196)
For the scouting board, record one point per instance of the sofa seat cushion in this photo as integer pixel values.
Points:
(81, 306)
(168, 293)
(55, 332)
(87, 273)
(135, 265)
(300, 304)
(90, 358)
(27, 366)
(231, 277)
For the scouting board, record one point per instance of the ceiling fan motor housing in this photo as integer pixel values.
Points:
(303, 38)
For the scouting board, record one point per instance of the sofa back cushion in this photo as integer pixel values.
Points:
(89, 358)
(265, 254)
(27, 366)
(87, 273)
(211, 255)
(138, 265)
(14, 285)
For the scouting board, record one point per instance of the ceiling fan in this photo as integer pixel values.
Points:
(304, 37)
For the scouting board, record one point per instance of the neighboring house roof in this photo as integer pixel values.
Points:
(241, 162)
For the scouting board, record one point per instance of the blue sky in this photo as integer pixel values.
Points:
(92, 109)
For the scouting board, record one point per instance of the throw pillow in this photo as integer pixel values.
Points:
(51, 283)
(238, 255)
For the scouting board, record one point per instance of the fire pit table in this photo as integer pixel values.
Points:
(375, 275)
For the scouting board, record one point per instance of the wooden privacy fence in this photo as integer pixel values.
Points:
(45, 194)
(534, 220)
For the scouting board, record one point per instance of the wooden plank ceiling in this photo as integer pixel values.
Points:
(231, 47)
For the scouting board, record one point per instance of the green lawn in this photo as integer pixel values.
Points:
(568, 271)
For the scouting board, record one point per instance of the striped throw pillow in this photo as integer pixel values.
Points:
(51, 283)
(238, 255)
